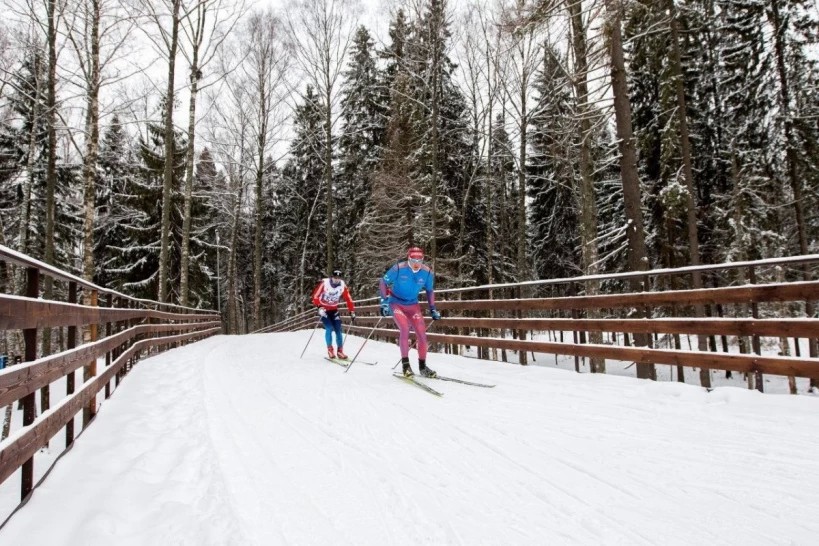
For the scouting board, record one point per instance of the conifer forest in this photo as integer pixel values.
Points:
(225, 154)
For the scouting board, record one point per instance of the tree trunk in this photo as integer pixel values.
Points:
(167, 179)
(257, 239)
(435, 126)
(521, 204)
(184, 269)
(51, 180)
(779, 32)
(588, 205)
(232, 302)
(688, 173)
(490, 191)
(637, 255)
(28, 185)
(328, 175)
(91, 145)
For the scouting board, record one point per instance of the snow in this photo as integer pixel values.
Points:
(235, 440)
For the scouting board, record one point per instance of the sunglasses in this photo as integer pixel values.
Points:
(416, 260)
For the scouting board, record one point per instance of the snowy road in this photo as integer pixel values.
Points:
(234, 440)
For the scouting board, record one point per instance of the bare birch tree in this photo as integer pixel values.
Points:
(227, 136)
(265, 69)
(97, 31)
(523, 49)
(205, 27)
(323, 32)
(164, 19)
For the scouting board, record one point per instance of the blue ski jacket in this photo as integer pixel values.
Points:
(400, 284)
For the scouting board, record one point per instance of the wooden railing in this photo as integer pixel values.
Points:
(742, 318)
(120, 332)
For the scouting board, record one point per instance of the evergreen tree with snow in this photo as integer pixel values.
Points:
(25, 150)
(502, 202)
(115, 170)
(139, 252)
(298, 210)
(553, 216)
(209, 187)
(360, 146)
(441, 148)
(747, 208)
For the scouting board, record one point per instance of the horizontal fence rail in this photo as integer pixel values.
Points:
(745, 310)
(117, 331)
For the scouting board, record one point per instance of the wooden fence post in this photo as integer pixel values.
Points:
(109, 303)
(29, 402)
(71, 342)
(755, 339)
(571, 292)
(90, 369)
(117, 350)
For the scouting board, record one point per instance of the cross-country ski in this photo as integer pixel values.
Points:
(412, 380)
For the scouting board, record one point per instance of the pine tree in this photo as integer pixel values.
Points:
(393, 210)
(360, 146)
(747, 206)
(298, 211)
(25, 145)
(139, 254)
(553, 220)
(276, 268)
(441, 148)
(391, 214)
(115, 168)
(503, 189)
(205, 220)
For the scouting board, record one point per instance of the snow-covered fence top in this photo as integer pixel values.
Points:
(756, 317)
(39, 350)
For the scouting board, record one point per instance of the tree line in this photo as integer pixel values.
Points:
(511, 139)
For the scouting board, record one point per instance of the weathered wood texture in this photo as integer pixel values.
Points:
(18, 381)
(731, 327)
(796, 291)
(130, 325)
(672, 312)
(18, 313)
(801, 367)
(23, 444)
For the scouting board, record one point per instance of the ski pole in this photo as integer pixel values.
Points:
(310, 338)
(347, 333)
(427, 328)
(363, 344)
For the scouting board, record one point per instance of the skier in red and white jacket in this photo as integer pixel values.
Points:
(327, 296)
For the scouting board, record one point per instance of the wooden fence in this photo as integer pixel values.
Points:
(755, 317)
(120, 331)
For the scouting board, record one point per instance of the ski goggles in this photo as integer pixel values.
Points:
(415, 261)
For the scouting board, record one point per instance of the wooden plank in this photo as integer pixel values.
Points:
(800, 367)
(18, 313)
(18, 381)
(29, 408)
(12, 256)
(24, 443)
(796, 291)
(806, 327)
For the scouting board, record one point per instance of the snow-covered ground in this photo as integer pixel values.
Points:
(235, 440)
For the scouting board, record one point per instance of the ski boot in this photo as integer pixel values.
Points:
(330, 353)
(426, 372)
(407, 369)
(340, 354)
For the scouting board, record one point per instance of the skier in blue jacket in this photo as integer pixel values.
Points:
(399, 288)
